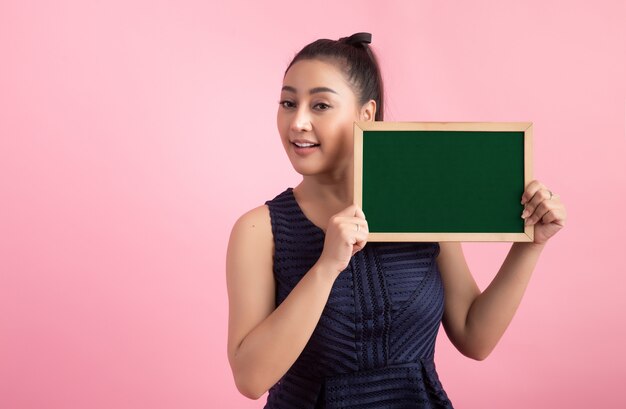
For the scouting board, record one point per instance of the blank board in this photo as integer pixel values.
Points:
(443, 181)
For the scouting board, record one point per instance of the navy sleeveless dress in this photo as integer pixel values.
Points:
(374, 344)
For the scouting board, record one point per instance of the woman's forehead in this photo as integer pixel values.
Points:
(311, 76)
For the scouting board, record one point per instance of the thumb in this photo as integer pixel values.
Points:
(358, 212)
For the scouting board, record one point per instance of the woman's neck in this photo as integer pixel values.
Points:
(334, 191)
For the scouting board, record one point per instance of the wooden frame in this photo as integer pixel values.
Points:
(363, 132)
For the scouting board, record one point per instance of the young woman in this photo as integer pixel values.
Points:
(319, 319)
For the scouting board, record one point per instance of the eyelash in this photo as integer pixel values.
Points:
(281, 103)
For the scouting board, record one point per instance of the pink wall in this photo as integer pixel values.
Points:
(134, 133)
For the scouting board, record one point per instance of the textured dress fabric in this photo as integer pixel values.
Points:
(374, 344)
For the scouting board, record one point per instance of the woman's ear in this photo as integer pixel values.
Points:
(368, 111)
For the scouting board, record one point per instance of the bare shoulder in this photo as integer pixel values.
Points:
(249, 275)
(255, 221)
(251, 241)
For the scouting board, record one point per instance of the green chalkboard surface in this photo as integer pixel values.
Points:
(443, 181)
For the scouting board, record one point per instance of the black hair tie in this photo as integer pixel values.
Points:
(358, 38)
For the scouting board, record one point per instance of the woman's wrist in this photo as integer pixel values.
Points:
(326, 270)
(530, 245)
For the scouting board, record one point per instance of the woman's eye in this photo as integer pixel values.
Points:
(288, 104)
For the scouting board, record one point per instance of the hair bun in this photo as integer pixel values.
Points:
(357, 38)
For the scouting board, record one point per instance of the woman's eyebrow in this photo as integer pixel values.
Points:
(311, 91)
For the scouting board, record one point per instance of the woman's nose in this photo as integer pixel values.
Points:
(301, 120)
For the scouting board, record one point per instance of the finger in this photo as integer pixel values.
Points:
(555, 216)
(538, 212)
(361, 235)
(361, 241)
(549, 217)
(358, 247)
(363, 226)
(530, 190)
(359, 212)
(540, 196)
(350, 226)
(353, 233)
(351, 222)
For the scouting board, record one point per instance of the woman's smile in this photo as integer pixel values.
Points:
(304, 148)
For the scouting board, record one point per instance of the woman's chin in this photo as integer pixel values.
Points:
(306, 170)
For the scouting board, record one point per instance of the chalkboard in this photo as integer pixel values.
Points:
(443, 181)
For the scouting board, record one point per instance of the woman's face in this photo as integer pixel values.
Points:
(316, 113)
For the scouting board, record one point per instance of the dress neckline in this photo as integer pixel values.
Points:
(293, 197)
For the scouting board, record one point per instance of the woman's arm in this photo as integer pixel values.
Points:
(264, 341)
(476, 321)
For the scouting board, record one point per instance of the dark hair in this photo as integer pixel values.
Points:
(357, 61)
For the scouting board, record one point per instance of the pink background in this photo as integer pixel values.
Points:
(134, 133)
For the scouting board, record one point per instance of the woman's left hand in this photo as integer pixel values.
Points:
(543, 208)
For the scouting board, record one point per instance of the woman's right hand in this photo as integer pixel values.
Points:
(343, 239)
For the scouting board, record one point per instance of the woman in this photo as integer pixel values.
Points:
(319, 319)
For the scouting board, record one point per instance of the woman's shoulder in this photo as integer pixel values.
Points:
(260, 215)
(251, 234)
(259, 222)
(257, 217)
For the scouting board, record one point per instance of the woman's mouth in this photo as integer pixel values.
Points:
(305, 148)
